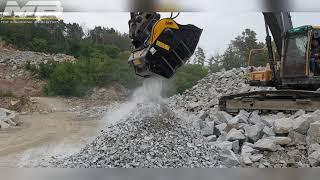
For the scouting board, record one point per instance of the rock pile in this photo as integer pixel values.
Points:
(7, 118)
(254, 140)
(205, 95)
(150, 136)
(16, 58)
(192, 132)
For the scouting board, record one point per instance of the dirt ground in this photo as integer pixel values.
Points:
(43, 135)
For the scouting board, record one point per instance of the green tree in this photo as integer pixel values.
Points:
(237, 53)
(188, 76)
(199, 56)
(214, 63)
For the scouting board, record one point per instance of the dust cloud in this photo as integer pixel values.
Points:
(150, 92)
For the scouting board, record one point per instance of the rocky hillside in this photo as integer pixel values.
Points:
(12, 62)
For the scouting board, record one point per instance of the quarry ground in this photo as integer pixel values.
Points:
(38, 133)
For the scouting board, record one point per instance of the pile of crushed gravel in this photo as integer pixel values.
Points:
(150, 136)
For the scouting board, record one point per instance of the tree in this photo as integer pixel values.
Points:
(214, 63)
(199, 57)
(237, 53)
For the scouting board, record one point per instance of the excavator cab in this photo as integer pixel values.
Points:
(161, 46)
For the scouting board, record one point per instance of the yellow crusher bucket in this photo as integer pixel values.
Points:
(169, 46)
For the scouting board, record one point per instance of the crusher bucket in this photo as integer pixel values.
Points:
(169, 46)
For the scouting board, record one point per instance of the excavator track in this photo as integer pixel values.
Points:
(280, 100)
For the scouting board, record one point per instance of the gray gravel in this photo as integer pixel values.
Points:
(151, 136)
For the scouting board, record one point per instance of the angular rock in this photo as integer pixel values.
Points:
(265, 145)
(282, 126)
(302, 123)
(246, 159)
(268, 131)
(234, 135)
(212, 138)
(222, 117)
(242, 117)
(313, 147)
(222, 137)
(222, 145)
(254, 133)
(247, 149)
(4, 125)
(281, 140)
(298, 114)
(236, 146)
(229, 158)
(203, 115)
(208, 129)
(314, 159)
(313, 136)
(221, 127)
(297, 138)
(256, 157)
(254, 118)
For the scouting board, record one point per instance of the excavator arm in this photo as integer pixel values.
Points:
(160, 46)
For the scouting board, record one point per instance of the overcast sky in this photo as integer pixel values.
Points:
(219, 28)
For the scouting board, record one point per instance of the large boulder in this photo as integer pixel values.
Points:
(234, 135)
(313, 136)
(282, 126)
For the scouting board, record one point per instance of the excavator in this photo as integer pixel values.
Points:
(162, 46)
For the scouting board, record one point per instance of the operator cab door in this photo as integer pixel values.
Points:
(295, 60)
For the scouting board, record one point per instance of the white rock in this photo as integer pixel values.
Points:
(221, 127)
(254, 118)
(302, 123)
(297, 138)
(268, 131)
(246, 159)
(247, 149)
(222, 117)
(266, 145)
(313, 147)
(234, 135)
(314, 159)
(282, 126)
(212, 138)
(4, 125)
(236, 146)
(256, 157)
(222, 145)
(242, 117)
(229, 158)
(298, 113)
(281, 140)
(254, 133)
(314, 133)
(208, 129)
